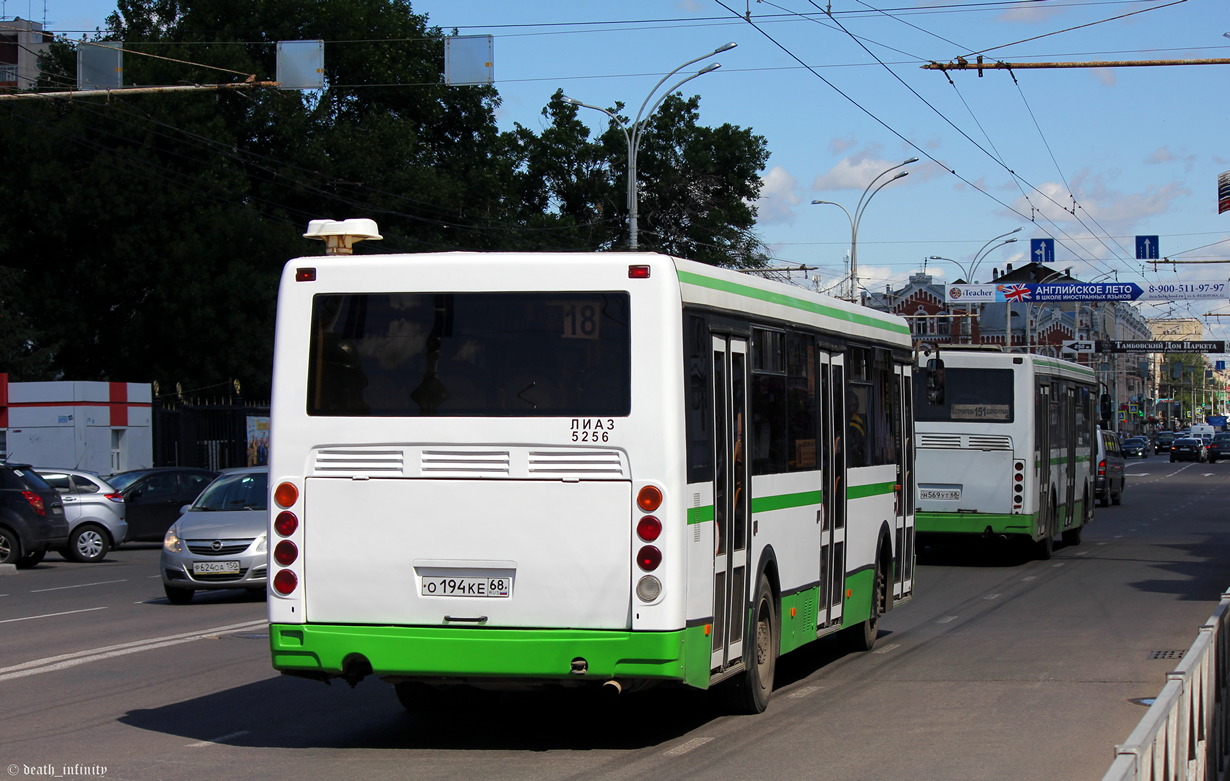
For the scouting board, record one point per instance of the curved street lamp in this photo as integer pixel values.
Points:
(857, 216)
(969, 271)
(635, 130)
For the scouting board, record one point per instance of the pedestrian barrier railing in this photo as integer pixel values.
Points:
(1185, 734)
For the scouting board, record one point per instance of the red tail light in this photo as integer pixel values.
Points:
(35, 501)
(285, 553)
(648, 558)
(115, 497)
(1102, 467)
(649, 528)
(285, 582)
(286, 523)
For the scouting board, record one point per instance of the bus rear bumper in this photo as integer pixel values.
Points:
(975, 524)
(561, 655)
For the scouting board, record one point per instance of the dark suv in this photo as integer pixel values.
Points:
(31, 516)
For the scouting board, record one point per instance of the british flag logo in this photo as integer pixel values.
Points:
(1016, 292)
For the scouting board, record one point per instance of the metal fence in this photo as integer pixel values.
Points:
(1185, 733)
(211, 435)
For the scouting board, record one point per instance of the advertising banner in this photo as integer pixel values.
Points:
(1034, 293)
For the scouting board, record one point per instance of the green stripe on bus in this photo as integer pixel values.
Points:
(874, 489)
(762, 504)
(700, 514)
(781, 299)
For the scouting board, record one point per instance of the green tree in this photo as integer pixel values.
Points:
(697, 185)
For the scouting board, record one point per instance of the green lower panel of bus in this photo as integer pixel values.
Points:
(538, 654)
(975, 523)
(991, 523)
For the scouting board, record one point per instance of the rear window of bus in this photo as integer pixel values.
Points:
(497, 354)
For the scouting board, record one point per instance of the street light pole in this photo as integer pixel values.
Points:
(635, 130)
(969, 272)
(856, 218)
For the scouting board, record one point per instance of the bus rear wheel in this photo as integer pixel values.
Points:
(750, 692)
(1045, 545)
(863, 636)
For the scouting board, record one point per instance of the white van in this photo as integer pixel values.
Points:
(1203, 431)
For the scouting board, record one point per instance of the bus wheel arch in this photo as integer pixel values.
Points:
(750, 692)
(862, 636)
(1044, 547)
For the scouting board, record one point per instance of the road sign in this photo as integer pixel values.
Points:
(1146, 248)
(1042, 250)
(1077, 346)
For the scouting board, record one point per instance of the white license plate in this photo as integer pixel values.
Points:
(215, 568)
(947, 494)
(434, 586)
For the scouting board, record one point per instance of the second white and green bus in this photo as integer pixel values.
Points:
(612, 470)
(1005, 443)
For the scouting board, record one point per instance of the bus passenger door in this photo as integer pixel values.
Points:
(904, 543)
(1069, 424)
(731, 486)
(833, 532)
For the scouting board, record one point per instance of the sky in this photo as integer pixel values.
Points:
(1090, 157)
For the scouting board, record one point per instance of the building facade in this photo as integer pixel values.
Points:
(102, 427)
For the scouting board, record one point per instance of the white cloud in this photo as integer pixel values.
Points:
(1112, 207)
(778, 197)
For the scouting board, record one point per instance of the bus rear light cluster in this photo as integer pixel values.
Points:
(1018, 485)
(649, 529)
(286, 552)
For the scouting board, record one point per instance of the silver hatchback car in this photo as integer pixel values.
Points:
(219, 540)
(95, 513)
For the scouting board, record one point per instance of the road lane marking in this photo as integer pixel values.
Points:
(946, 619)
(804, 692)
(992, 596)
(51, 615)
(64, 661)
(888, 648)
(686, 747)
(219, 739)
(82, 585)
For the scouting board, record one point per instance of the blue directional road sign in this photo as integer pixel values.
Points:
(1146, 248)
(1042, 250)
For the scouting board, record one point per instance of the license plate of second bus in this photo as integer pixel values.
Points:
(939, 493)
(434, 586)
(215, 568)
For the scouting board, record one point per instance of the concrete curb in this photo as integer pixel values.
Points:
(8, 569)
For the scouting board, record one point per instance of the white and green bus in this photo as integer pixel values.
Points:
(1005, 443)
(495, 470)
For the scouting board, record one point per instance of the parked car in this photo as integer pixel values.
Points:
(220, 541)
(95, 513)
(1111, 477)
(1136, 446)
(153, 497)
(1189, 449)
(1219, 447)
(31, 516)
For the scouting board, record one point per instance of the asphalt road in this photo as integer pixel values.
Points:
(1002, 667)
